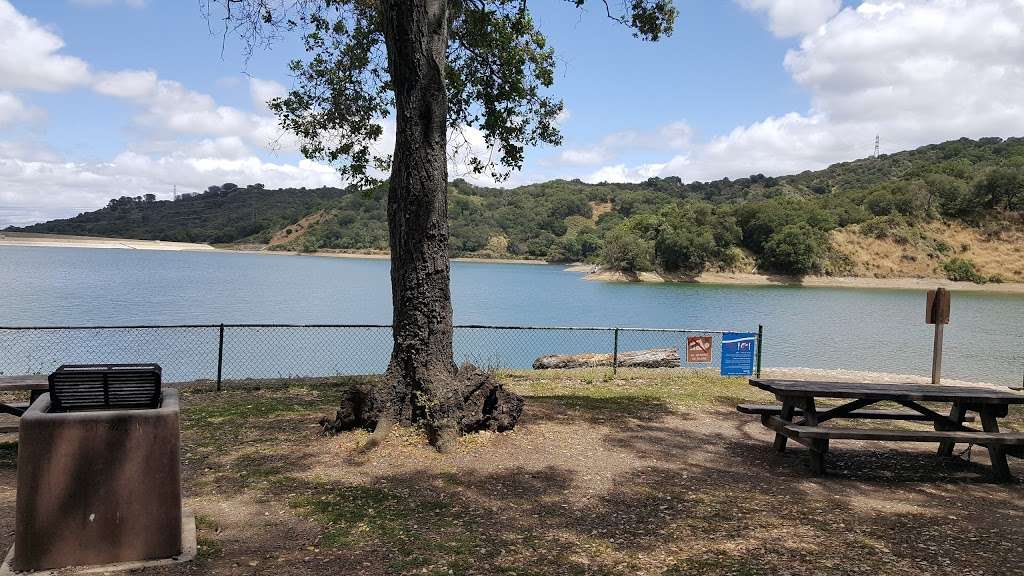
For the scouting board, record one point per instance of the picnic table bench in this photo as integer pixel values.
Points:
(35, 385)
(798, 417)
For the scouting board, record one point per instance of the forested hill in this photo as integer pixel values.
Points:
(830, 221)
(222, 214)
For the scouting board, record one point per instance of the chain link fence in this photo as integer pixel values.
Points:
(227, 352)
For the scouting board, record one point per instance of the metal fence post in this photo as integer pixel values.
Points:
(220, 356)
(760, 338)
(615, 352)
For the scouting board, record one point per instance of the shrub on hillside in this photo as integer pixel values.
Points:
(625, 250)
(963, 270)
(797, 249)
(882, 227)
(687, 251)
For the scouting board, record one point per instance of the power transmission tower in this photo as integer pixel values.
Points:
(876, 146)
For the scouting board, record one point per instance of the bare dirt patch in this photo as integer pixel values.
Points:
(294, 232)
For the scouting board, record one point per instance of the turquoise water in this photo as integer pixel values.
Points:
(878, 330)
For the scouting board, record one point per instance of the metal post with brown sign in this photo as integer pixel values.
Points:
(937, 313)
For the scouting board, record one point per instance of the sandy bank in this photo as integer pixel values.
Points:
(819, 281)
(57, 240)
(64, 241)
(368, 255)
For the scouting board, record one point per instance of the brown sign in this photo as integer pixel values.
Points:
(698, 349)
(937, 309)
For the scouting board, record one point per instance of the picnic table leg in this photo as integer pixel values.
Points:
(956, 414)
(788, 407)
(996, 452)
(819, 446)
(818, 450)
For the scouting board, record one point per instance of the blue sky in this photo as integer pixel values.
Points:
(100, 98)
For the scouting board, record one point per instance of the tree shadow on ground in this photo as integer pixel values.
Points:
(742, 439)
(657, 519)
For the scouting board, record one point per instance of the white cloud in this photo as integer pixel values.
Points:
(168, 109)
(264, 90)
(29, 56)
(47, 188)
(584, 156)
(672, 136)
(622, 173)
(13, 110)
(794, 17)
(134, 84)
(914, 72)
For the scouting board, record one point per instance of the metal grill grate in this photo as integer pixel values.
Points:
(76, 387)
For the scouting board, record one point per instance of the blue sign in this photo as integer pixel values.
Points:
(738, 350)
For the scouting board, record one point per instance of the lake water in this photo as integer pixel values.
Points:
(858, 329)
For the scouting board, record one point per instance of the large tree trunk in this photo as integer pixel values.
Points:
(422, 383)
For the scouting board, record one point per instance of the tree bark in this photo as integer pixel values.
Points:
(422, 369)
(422, 383)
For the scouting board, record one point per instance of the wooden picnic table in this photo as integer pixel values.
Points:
(799, 419)
(35, 385)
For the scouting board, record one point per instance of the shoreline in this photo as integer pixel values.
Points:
(746, 279)
(66, 241)
(28, 239)
(589, 271)
(375, 256)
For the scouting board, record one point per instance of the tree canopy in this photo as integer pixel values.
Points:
(499, 72)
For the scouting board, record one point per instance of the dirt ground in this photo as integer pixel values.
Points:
(649, 472)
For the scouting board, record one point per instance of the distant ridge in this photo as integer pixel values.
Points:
(802, 223)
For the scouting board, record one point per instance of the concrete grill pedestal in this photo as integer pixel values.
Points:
(98, 487)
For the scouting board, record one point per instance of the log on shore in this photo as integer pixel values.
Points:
(653, 358)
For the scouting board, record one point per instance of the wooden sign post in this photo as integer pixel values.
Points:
(937, 312)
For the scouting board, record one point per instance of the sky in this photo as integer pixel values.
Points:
(106, 98)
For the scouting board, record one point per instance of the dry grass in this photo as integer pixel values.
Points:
(644, 472)
(995, 249)
(597, 209)
(289, 234)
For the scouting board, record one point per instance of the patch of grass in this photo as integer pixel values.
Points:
(8, 454)
(219, 421)
(208, 546)
(634, 391)
(418, 531)
(265, 471)
(264, 402)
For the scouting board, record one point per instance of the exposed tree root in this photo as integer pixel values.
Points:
(477, 402)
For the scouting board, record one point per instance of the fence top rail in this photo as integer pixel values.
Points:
(594, 328)
(463, 326)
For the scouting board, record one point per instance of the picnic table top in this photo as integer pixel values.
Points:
(877, 391)
(35, 382)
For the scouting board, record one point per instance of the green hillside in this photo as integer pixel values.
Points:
(221, 214)
(784, 224)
